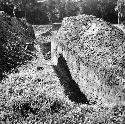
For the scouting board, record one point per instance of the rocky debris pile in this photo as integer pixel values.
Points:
(95, 54)
(16, 43)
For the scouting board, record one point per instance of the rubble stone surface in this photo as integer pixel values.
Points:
(95, 54)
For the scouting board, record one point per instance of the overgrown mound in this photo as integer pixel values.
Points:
(16, 43)
(95, 54)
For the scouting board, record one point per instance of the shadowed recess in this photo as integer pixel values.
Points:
(24, 109)
(71, 87)
(46, 48)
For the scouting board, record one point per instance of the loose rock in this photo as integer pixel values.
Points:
(95, 53)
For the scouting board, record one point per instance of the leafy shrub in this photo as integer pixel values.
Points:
(16, 43)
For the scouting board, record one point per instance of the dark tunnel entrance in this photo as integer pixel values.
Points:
(70, 86)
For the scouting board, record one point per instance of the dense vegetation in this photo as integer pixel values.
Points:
(55, 10)
(16, 43)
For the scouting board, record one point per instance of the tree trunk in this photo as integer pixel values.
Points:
(118, 17)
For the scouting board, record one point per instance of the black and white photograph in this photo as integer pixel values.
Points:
(62, 61)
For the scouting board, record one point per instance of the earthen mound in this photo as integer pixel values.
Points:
(95, 54)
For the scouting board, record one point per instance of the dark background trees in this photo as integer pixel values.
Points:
(50, 11)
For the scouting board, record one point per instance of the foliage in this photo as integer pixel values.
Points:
(52, 11)
(16, 43)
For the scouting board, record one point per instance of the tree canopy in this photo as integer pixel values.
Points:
(50, 11)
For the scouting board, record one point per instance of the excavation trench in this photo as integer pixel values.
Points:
(70, 86)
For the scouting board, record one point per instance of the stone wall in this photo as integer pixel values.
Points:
(95, 54)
